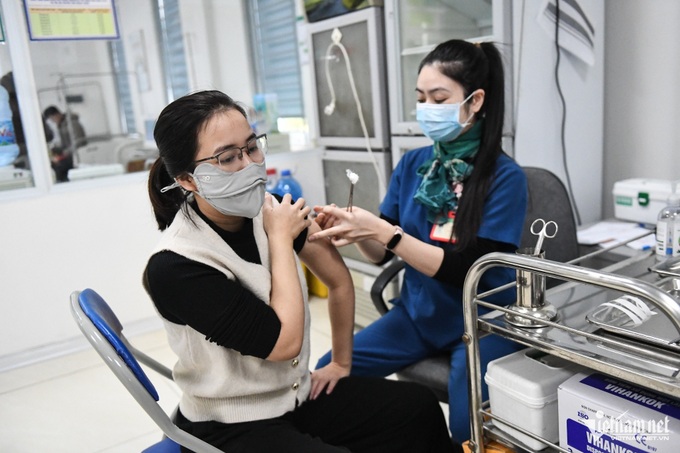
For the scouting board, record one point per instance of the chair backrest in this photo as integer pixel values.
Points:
(105, 333)
(549, 200)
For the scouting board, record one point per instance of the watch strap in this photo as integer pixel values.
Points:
(398, 234)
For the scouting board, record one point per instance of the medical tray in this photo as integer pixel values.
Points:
(657, 330)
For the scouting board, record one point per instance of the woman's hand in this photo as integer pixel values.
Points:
(285, 220)
(326, 378)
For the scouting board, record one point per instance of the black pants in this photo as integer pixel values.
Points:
(62, 167)
(361, 415)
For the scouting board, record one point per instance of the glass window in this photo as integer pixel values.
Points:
(95, 94)
(275, 53)
(278, 104)
(171, 38)
(98, 96)
(85, 98)
(123, 87)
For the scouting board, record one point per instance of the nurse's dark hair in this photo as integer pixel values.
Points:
(475, 66)
(176, 136)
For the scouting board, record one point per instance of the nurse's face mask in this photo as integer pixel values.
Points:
(441, 122)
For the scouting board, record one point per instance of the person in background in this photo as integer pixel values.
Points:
(447, 205)
(227, 282)
(71, 136)
(7, 81)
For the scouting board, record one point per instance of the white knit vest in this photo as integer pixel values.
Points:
(219, 383)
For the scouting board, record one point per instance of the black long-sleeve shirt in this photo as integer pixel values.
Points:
(456, 264)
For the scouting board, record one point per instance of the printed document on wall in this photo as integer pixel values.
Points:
(576, 31)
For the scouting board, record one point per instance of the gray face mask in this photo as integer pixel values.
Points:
(238, 193)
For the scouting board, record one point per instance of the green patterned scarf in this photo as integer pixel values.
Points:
(446, 169)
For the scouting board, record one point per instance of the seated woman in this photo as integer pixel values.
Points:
(227, 282)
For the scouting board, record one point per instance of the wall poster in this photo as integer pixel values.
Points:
(71, 19)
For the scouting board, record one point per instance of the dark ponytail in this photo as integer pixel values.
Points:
(176, 136)
(493, 109)
(165, 205)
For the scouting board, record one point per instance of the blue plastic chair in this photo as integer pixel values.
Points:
(105, 333)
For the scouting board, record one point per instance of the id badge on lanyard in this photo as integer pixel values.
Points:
(444, 232)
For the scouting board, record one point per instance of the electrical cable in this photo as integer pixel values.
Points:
(330, 108)
(564, 113)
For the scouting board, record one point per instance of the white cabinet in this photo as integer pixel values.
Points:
(348, 73)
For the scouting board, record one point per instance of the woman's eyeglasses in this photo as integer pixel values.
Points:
(229, 159)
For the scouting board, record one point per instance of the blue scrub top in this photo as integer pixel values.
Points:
(436, 307)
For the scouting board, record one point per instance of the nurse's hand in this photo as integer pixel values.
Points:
(321, 218)
(327, 378)
(285, 220)
(343, 227)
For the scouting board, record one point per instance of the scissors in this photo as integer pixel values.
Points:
(539, 227)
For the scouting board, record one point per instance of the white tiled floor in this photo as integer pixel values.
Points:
(75, 404)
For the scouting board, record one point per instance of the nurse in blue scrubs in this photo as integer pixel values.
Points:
(447, 205)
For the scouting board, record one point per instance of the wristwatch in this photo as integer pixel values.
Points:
(398, 234)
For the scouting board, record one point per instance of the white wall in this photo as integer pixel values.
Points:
(233, 50)
(94, 234)
(622, 115)
(217, 32)
(137, 25)
(642, 93)
(539, 110)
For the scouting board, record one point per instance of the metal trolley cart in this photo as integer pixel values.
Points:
(564, 325)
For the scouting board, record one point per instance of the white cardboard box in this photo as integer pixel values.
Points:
(601, 414)
(641, 200)
(523, 391)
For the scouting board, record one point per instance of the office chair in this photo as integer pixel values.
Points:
(105, 333)
(548, 199)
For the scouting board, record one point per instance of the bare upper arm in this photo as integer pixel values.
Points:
(324, 260)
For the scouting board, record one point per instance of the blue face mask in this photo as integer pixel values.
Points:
(441, 122)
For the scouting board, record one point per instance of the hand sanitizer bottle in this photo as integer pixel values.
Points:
(288, 184)
(668, 227)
